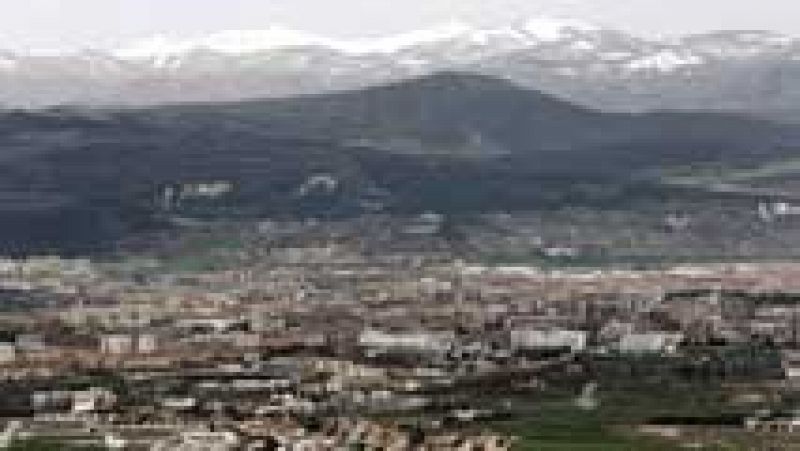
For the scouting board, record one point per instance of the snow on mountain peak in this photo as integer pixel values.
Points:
(665, 61)
(8, 63)
(230, 42)
(553, 29)
(391, 44)
(574, 38)
(247, 41)
(277, 37)
(155, 46)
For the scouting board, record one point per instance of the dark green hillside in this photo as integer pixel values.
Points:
(449, 142)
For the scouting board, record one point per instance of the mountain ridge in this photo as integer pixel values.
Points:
(742, 71)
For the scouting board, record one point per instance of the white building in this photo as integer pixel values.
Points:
(575, 340)
(30, 342)
(423, 341)
(651, 342)
(147, 344)
(92, 400)
(116, 344)
(208, 441)
(8, 353)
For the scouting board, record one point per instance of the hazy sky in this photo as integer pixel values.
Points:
(59, 24)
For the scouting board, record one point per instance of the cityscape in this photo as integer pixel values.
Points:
(535, 234)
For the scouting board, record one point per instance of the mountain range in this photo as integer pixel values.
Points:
(450, 142)
(753, 72)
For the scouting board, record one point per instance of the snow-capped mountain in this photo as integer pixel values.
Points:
(738, 70)
(243, 42)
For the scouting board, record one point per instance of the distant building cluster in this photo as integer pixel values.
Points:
(308, 340)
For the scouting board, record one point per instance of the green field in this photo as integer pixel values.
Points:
(624, 403)
(39, 444)
(570, 429)
(710, 174)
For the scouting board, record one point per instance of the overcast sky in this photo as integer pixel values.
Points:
(69, 24)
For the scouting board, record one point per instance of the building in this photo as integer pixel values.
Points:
(574, 340)
(147, 344)
(8, 353)
(649, 343)
(116, 344)
(30, 342)
(92, 400)
(422, 341)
